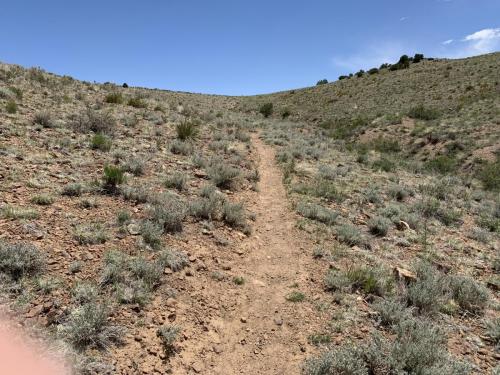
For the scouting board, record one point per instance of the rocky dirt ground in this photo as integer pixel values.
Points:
(224, 242)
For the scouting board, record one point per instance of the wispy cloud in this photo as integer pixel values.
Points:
(484, 41)
(403, 19)
(477, 43)
(372, 56)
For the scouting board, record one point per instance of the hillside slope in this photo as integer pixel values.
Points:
(150, 231)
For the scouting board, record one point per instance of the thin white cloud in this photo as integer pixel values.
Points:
(477, 43)
(403, 19)
(446, 42)
(370, 57)
(484, 41)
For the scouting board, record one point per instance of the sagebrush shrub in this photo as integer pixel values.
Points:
(379, 225)
(100, 142)
(177, 180)
(92, 120)
(317, 213)
(168, 212)
(223, 175)
(114, 97)
(72, 190)
(137, 103)
(173, 259)
(181, 148)
(91, 234)
(168, 335)
(470, 295)
(350, 235)
(490, 175)
(44, 118)
(421, 112)
(266, 109)
(137, 194)
(234, 215)
(151, 234)
(18, 260)
(88, 326)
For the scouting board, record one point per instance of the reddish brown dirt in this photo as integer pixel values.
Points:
(256, 330)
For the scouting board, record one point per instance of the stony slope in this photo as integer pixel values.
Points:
(205, 257)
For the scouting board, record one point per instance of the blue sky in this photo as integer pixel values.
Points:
(237, 47)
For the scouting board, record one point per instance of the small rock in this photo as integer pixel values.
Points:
(197, 367)
(243, 319)
(278, 321)
(133, 229)
(171, 302)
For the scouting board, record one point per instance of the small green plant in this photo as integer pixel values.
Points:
(177, 180)
(350, 235)
(428, 293)
(85, 292)
(295, 296)
(135, 166)
(42, 200)
(442, 164)
(238, 280)
(319, 339)
(493, 331)
(112, 177)
(100, 142)
(137, 194)
(322, 82)
(207, 208)
(151, 234)
(72, 190)
(421, 112)
(369, 280)
(91, 234)
(114, 97)
(11, 107)
(11, 212)
(317, 213)
(123, 217)
(266, 109)
(233, 214)
(379, 225)
(187, 129)
(168, 335)
(490, 175)
(470, 295)
(173, 259)
(44, 118)
(137, 103)
(384, 164)
(181, 148)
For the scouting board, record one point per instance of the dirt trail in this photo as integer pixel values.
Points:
(264, 333)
